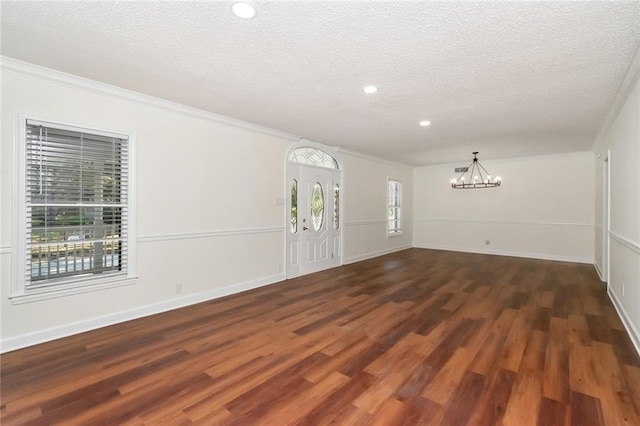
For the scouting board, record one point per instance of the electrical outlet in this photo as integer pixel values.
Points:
(487, 242)
(280, 268)
(178, 288)
(622, 289)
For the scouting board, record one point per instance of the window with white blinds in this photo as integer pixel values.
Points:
(394, 197)
(76, 204)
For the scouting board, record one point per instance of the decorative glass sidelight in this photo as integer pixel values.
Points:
(336, 206)
(317, 206)
(294, 206)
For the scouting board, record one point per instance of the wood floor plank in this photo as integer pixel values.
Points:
(614, 392)
(632, 378)
(490, 352)
(535, 351)
(388, 379)
(391, 412)
(585, 410)
(339, 399)
(515, 343)
(553, 413)
(414, 337)
(582, 374)
(523, 406)
(448, 378)
(555, 384)
(338, 362)
(421, 411)
(579, 330)
(298, 408)
(491, 407)
(464, 399)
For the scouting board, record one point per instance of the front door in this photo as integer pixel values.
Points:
(313, 241)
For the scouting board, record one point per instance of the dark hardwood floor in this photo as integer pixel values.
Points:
(419, 337)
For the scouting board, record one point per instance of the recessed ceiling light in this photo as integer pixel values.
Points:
(243, 10)
(370, 89)
(425, 123)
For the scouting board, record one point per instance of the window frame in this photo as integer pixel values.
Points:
(73, 284)
(391, 231)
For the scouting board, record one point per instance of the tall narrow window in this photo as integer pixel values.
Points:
(394, 222)
(76, 205)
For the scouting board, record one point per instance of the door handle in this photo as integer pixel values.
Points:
(304, 228)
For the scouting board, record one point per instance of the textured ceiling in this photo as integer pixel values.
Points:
(503, 78)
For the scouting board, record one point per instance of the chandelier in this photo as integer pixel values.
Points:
(472, 177)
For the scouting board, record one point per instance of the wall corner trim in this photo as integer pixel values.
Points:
(599, 272)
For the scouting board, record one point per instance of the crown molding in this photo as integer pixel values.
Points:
(629, 80)
(24, 68)
(510, 159)
(373, 158)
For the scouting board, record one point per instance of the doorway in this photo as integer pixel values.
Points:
(314, 231)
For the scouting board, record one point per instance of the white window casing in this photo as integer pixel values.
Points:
(75, 218)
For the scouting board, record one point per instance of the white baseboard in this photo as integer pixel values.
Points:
(373, 254)
(632, 331)
(599, 272)
(30, 339)
(543, 256)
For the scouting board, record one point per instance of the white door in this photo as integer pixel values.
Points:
(313, 242)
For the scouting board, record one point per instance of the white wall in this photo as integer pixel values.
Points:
(207, 215)
(366, 207)
(622, 140)
(542, 210)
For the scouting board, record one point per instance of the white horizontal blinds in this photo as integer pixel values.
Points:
(394, 200)
(76, 199)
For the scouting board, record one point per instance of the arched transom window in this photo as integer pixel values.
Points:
(313, 157)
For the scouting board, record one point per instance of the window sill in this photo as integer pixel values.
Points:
(395, 234)
(69, 289)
